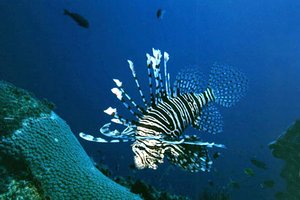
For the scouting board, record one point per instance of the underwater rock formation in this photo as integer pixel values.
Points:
(218, 194)
(147, 191)
(287, 148)
(39, 152)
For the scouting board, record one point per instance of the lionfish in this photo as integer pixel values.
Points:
(159, 125)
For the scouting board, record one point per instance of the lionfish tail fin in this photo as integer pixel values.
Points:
(189, 80)
(228, 85)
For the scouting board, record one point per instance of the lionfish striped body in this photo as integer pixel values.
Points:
(158, 130)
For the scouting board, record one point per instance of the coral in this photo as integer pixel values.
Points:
(287, 148)
(20, 190)
(46, 154)
(218, 194)
(16, 105)
(147, 191)
(140, 187)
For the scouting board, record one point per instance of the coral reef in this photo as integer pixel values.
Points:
(217, 194)
(138, 186)
(40, 156)
(147, 191)
(19, 190)
(287, 148)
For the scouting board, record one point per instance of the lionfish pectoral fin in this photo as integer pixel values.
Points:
(92, 138)
(210, 120)
(107, 132)
(191, 154)
(128, 133)
(189, 157)
(113, 136)
(194, 140)
(102, 140)
(188, 153)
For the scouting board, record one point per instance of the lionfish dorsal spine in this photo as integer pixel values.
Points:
(162, 82)
(120, 93)
(162, 89)
(117, 118)
(155, 67)
(152, 97)
(167, 75)
(131, 66)
(156, 60)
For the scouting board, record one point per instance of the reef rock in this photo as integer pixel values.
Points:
(39, 152)
(287, 148)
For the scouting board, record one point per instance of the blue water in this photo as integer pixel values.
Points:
(45, 52)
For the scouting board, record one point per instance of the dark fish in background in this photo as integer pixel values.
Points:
(259, 163)
(160, 13)
(117, 168)
(81, 21)
(210, 183)
(234, 184)
(267, 184)
(249, 172)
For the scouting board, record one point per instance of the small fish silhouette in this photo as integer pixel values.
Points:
(160, 13)
(81, 21)
(268, 184)
(249, 172)
(258, 163)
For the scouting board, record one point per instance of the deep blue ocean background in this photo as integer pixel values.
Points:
(47, 53)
